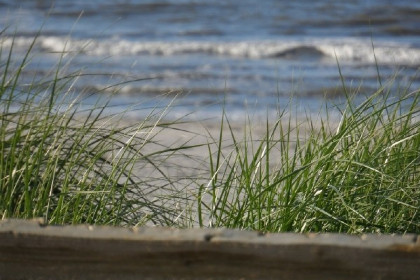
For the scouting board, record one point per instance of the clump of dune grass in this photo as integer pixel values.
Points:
(357, 174)
(76, 164)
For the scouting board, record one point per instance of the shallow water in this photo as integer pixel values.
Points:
(248, 55)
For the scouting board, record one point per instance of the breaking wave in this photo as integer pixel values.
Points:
(345, 50)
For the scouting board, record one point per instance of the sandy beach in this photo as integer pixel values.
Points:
(190, 144)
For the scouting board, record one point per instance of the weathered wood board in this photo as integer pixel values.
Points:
(29, 250)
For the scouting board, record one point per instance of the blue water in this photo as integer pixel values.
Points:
(249, 55)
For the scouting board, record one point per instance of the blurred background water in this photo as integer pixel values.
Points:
(248, 55)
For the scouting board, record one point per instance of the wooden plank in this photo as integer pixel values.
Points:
(29, 250)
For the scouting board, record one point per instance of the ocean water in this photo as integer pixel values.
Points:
(248, 55)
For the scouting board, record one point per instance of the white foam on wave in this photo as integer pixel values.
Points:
(345, 49)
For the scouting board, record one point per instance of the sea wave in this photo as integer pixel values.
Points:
(345, 49)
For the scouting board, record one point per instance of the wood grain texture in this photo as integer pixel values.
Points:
(29, 250)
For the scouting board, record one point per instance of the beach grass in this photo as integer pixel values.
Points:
(357, 175)
(70, 164)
